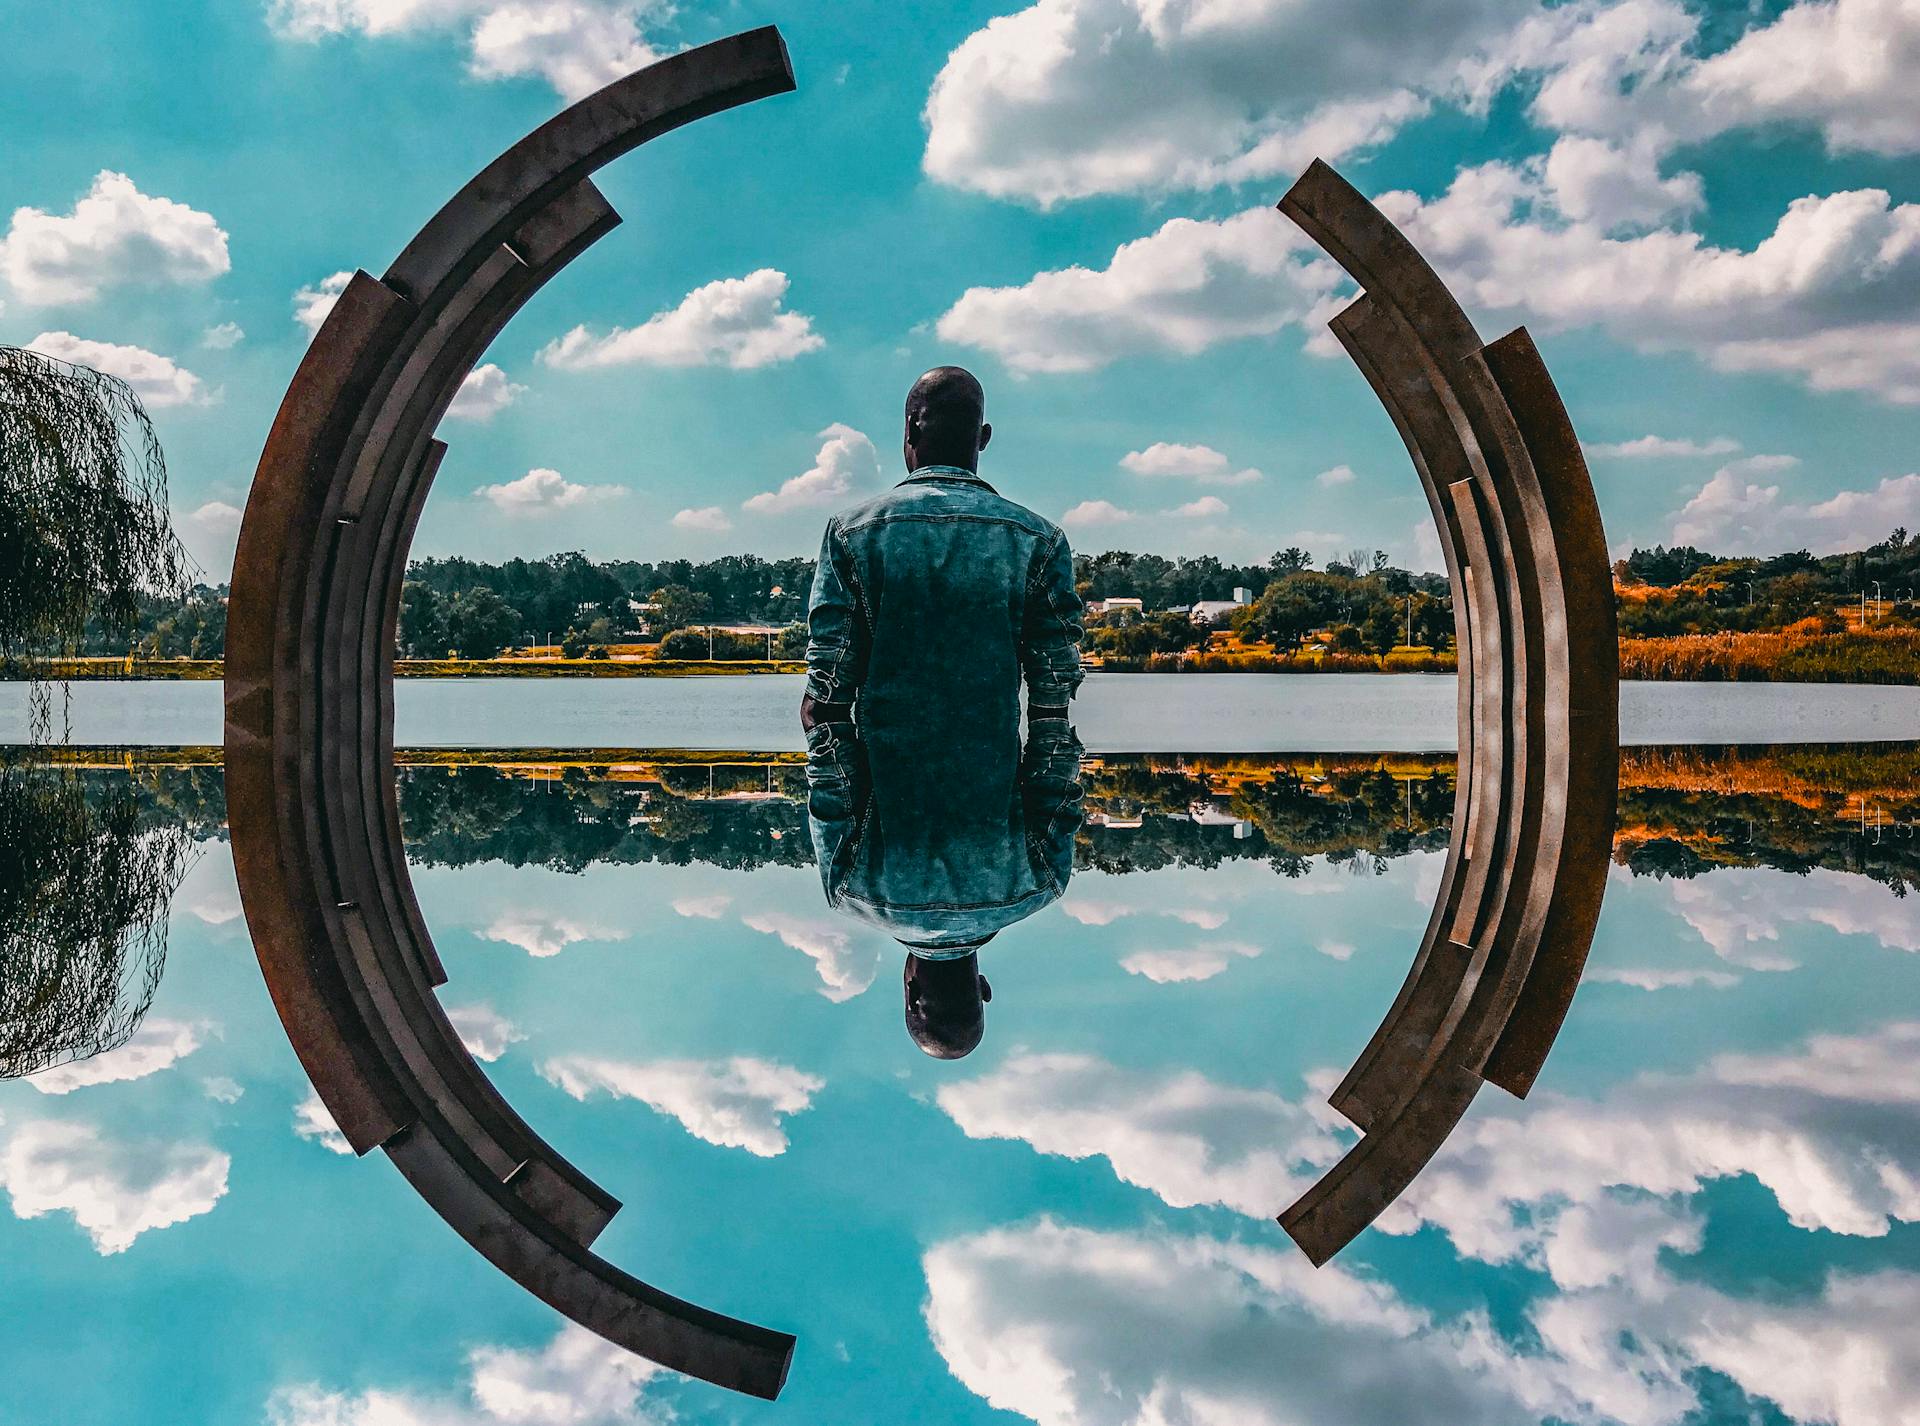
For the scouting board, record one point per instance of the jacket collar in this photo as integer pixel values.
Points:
(946, 472)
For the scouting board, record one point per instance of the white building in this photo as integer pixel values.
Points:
(1112, 606)
(1208, 611)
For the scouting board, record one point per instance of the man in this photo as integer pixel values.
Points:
(934, 599)
(931, 603)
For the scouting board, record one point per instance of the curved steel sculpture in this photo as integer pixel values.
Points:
(309, 712)
(1538, 712)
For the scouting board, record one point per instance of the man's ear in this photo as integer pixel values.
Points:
(986, 991)
(986, 434)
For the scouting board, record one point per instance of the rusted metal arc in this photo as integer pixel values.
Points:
(309, 701)
(1538, 713)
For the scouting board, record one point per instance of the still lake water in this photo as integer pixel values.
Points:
(1114, 713)
(1707, 1212)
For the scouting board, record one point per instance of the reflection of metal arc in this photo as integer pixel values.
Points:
(1538, 712)
(309, 699)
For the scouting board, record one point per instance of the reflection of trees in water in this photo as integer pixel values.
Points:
(86, 875)
(470, 814)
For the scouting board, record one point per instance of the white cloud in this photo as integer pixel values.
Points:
(704, 908)
(156, 1045)
(484, 1031)
(1180, 1136)
(1075, 1327)
(158, 381)
(844, 969)
(210, 532)
(846, 460)
(543, 934)
(222, 1089)
(1738, 909)
(223, 337)
(1598, 182)
(1830, 297)
(485, 393)
(1735, 515)
(1660, 978)
(577, 46)
(542, 491)
(1182, 289)
(1188, 963)
(737, 1103)
(1660, 448)
(1201, 463)
(735, 322)
(312, 304)
(115, 1190)
(1207, 507)
(1069, 98)
(706, 517)
(115, 236)
(311, 1120)
(1334, 477)
(577, 1379)
(1096, 512)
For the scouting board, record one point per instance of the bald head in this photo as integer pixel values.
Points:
(946, 420)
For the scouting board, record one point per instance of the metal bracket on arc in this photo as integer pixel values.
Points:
(309, 712)
(1538, 713)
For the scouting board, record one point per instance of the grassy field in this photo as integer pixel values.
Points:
(1788, 656)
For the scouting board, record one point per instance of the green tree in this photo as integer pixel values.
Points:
(423, 622)
(680, 606)
(480, 624)
(84, 529)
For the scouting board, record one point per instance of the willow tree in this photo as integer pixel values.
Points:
(84, 888)
(84, 527)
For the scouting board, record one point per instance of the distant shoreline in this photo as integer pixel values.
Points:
(1889, 657)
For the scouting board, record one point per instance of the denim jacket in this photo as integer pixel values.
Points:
(943, 841)
(942, 593)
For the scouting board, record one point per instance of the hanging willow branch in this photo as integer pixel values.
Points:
(84, 892)
(84, 526)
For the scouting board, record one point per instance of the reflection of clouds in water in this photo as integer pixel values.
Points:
(116, 1190)
(1092, 911)
(1735, 910)
(578, 1379)
(1187, 963)
(1178, 1135)
(703, 908)
(484, 1031)
(736, 1103)
(545, 934)
(844, 969)
(156, 1045)
(1653, 978)
(312, 1121)
(1596, 1196)
(1073, 1327)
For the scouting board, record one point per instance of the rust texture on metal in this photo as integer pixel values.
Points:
(1538, 713)
(309, 713)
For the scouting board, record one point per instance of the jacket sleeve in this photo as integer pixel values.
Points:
(837, 790)
(1050, 794)
(1050, 640)
(837, 636)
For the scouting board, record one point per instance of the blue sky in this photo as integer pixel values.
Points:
(1709, 215)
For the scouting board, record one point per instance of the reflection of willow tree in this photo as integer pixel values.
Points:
(86, 875)
(84, 529)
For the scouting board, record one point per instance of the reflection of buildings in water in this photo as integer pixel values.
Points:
(85, 884)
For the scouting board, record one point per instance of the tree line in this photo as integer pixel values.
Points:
(1357, 602)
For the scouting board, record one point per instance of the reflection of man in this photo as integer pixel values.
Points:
(943, 843)
(930, 604)
(932, 600)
